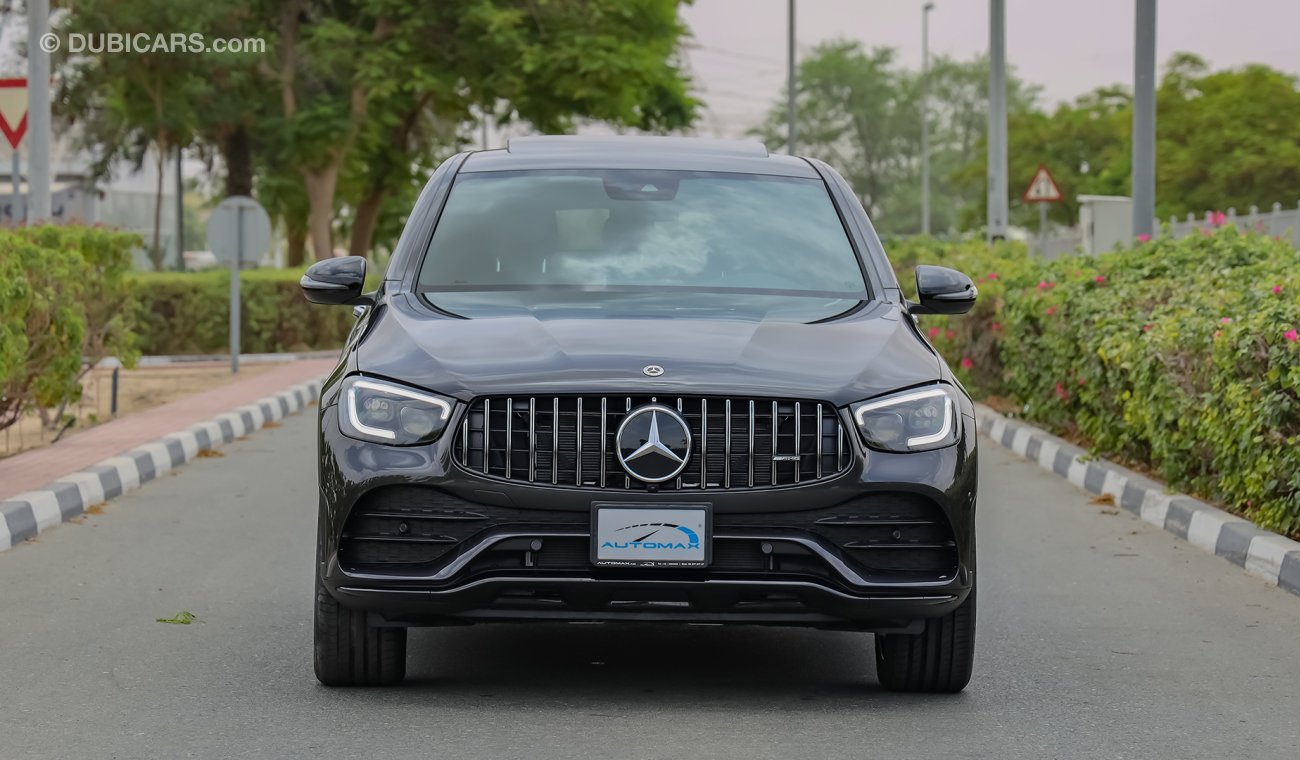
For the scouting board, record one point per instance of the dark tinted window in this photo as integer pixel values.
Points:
(666, 235)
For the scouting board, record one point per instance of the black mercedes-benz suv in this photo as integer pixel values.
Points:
(643, 379)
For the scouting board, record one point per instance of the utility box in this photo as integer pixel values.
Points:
(1106, 221)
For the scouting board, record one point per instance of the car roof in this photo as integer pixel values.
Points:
(637, 152)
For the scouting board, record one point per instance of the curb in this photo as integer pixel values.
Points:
(1263, 554)
(28, 514)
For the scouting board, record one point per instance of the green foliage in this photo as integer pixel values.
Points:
(1178, 355)
(141, 106)
(859, 111)
(184, 617)
(1227, 138)
(1224, 139)
(321, 126)
(62, 288)
(1085, 145)
(189, 313)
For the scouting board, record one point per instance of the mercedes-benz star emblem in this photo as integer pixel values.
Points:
(652, 370)
(654, 443)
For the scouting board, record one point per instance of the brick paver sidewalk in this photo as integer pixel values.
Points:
(32, 469)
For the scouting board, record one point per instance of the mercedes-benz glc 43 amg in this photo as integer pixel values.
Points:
(643, 379)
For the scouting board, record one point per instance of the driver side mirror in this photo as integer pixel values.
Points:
(336, 282)
(941, 290)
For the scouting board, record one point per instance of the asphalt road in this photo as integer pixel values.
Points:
(1099, 637)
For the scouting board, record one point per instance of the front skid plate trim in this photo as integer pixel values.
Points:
(455, 566)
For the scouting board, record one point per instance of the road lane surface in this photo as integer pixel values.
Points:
(1099, 637)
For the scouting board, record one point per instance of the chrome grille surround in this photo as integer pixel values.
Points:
(568, 441)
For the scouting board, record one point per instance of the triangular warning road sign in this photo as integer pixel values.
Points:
(1042, 189)
(13, 110)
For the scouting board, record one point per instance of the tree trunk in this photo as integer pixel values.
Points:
(320, 218)
(297, 248)
(156, 252)
(237, 152)
(365, 222)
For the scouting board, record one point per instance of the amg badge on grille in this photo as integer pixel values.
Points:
(654, 443)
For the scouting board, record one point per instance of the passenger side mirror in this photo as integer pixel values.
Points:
(336, 282)
(941, 290)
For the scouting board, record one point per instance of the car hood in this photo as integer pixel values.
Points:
(866, 354)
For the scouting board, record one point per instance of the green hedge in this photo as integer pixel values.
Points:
(61, 295)
(1181, 356)
(189, 313)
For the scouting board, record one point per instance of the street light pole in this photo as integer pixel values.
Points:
(790, 81)
(1144, 119)
(997, 153)
(38, 112)
(925, 118)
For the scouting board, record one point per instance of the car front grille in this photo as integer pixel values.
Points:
(736, 443)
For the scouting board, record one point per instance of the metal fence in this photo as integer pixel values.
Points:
(1278, 222)
(1058, 242)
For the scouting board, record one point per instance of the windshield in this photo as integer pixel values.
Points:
(622, 243)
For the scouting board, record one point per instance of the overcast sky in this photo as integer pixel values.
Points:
(1066, 46)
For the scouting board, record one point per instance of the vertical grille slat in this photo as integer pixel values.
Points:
(679, 411)
(776, 428)
(577, 475)
(704, 443)
(728, 458)
(510, 416)
(798, 441)
(555, 441)
(819, 441)
(487, 432)
(532, 440)
(561, 453)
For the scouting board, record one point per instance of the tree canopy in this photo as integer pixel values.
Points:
(1223, 139)
(352, 100)
(860, 111)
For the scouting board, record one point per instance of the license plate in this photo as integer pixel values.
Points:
(676, 536)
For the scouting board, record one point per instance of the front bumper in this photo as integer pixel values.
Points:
(791, 556)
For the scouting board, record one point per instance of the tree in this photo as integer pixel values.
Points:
(1083, 144)
(1223, 139)
(861, 112)
(853, 110)
(353, 100)
(545, 63)
(164, 93)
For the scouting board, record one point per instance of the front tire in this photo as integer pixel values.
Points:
(350, 652)
(937, 660)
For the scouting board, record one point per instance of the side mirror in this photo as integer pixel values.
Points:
(336, 281)
(942, 291)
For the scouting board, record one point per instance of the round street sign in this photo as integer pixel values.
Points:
(239, 228)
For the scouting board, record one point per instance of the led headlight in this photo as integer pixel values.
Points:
(917, 420)
(374, 410)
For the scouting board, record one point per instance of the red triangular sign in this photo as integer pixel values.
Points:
(1042, 189)
(14, 134)
(13, 110)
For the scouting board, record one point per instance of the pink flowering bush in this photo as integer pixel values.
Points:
(1186, 361)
